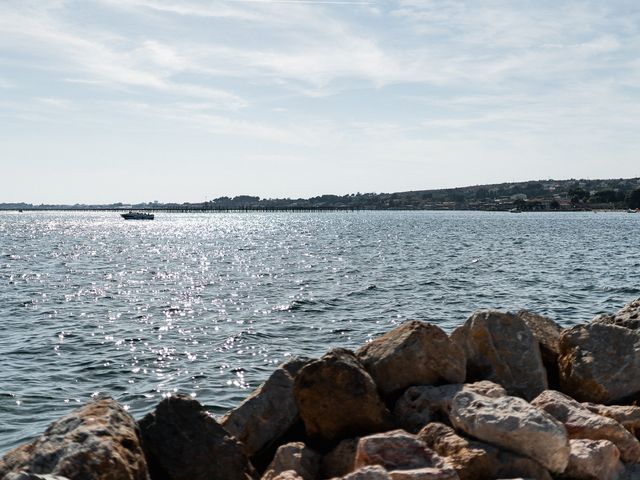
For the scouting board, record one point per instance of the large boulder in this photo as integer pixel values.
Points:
(511, 423)
(338, 399)
(98, 441)
(547, 333)
(295, 457)
(420, 405)
(269, 412)
(403, 455)
(500, 347)
(599, 363)
(474, 460)
(594, 460)
(415, 353)
(626, 415)
(627, 317)
(182, 441)
(581, 423)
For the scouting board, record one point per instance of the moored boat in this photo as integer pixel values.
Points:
(131, 215)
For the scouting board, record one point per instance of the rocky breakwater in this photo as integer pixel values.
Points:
(504, 396)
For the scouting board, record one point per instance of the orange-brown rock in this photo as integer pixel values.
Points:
(581, 423)
(403, 455)
(626, 415)
(338, 399)
(415, 353)
(182, 441)
(98, 441)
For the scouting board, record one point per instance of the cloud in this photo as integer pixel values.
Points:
(103, 58)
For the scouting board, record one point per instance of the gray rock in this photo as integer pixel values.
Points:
(599, 363)
(339, 461)
(547, 333)
(494, 343)
(269, 412)
(98, 441)
(372, 472)
(511, 423)
(423, 404)
(415, 353)
(474, 460)
(33, 476)
(594, 460)
(338, 399)
(182, 441)
(294, 457)
(627, 317)
(581, 423)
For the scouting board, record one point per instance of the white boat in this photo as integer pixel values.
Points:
(137, 216)
(515, 210)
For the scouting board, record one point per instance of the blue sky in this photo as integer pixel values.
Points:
(184, 100)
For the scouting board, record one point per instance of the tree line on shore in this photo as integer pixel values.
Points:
(533, 195)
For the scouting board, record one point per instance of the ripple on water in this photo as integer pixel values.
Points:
(210, 304)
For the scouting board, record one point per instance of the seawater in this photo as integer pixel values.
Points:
(209, 304)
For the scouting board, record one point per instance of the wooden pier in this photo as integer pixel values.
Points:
(184, 209)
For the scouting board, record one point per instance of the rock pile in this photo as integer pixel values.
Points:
(504, 396)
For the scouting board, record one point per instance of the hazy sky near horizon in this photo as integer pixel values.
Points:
(185, 100)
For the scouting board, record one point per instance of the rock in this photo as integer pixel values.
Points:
(415, 353)
(337, 398)
(421, 405)
(98, 441)
(599, 363)
(287, 475)
(631, 472)
(372, 472)
(32, 476)
(297, 457)
(268, 413)
(626, 415)
(511, 423)
(403, 455)
(500, 347)
(547, 333)
(339, 461)
(593, 460)
(581, 423)
(473, 460)
(182, 441)
(627, 317)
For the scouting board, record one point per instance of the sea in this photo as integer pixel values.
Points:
(209, 304)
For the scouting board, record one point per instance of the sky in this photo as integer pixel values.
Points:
(182, 100)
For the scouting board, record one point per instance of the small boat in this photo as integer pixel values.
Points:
(515, 210)
(631, 210)
(137, 216)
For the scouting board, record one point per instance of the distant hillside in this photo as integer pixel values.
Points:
(533, 195)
